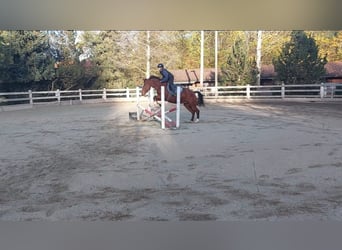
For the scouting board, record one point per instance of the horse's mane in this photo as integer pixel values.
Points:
(154, 77)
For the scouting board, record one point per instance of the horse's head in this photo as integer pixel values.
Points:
(146, 87)
(153, 82)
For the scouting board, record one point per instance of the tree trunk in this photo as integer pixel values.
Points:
(258, 59)
(148, 55)
(202, 58)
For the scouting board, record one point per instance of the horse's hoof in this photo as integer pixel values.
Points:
(197, 120)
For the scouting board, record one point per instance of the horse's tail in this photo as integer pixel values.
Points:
(200, 100)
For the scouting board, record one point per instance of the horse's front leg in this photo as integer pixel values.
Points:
(157, 98)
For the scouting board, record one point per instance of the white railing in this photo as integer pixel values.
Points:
(316, 91)
(36, 97)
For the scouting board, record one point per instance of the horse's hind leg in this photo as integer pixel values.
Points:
(196, 110)
(188, 107)
(198, 113)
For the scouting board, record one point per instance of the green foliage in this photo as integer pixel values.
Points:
(63, 45)
(240, 68)
(25, 57)
(272, 44)
(329, 43)
(118, 59)
(107, 56)
(299, 62)
(74, 75)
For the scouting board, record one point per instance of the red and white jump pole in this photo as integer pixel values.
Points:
(165, 121)
(163, 112)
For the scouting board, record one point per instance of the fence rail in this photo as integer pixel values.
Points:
(316, 91)
(36, 97)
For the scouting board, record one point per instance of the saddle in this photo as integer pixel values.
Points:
(173, 92)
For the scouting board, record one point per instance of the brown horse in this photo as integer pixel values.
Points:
(188, 97)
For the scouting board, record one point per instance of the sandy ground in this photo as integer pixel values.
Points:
(243, 161)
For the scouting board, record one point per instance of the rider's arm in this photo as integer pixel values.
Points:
(165, 75)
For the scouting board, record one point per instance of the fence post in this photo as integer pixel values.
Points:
(58, 95)
(321, 91)
(30, 97)
(248, 91)
(80, 94)
(104, 94)
(127, 92)
(282, 91)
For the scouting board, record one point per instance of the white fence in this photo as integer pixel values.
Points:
(315, 91)
(58, 96)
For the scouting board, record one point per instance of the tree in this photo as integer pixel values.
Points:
(240, 67)
(299, 62)
(25, 59)
(329, 43)
(71, 72)
(258, 57)
(272, 44)
(108, 57)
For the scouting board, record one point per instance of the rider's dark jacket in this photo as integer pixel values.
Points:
(167, 76)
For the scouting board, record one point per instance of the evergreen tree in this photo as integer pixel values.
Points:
(299, 62)
(240, 68)
(272, 43)
(25, 59)
(71, 71)
(329, 43)
(107, 55)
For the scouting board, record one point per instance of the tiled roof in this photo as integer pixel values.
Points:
(267, 71)
(334, 69)
(193, 75)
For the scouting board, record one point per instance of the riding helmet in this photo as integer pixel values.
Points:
(160, 65)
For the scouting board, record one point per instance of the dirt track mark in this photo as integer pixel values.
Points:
(107, 216)
(336, 164)
(305, 187)
(294, 171)
(196, 217)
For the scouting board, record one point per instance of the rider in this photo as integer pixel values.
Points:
(167, 77)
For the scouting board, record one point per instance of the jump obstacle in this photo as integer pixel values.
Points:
(158, 113)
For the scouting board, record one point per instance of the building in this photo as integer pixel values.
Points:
(268, 75)
(191, 77)
(333, 72)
